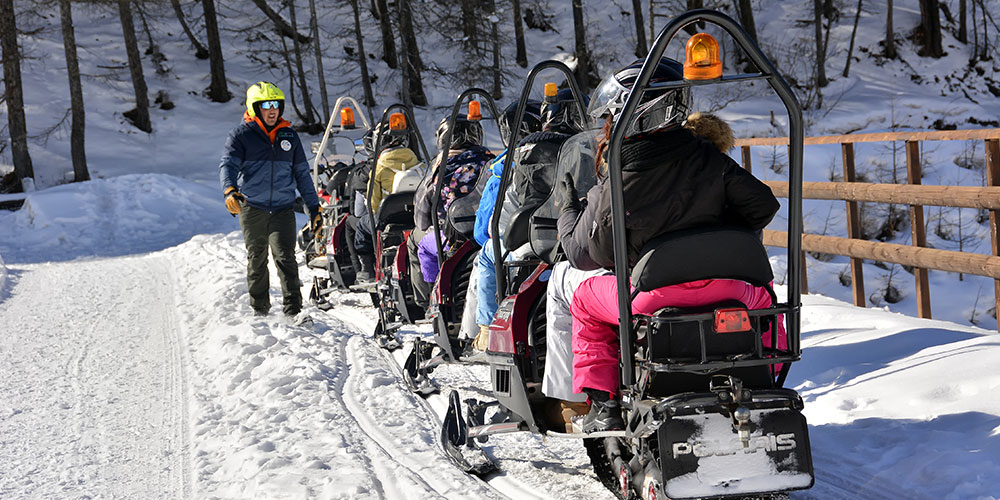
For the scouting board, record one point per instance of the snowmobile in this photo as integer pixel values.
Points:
(392, 224)
(328, 251)
(457, 252)
(706, 415)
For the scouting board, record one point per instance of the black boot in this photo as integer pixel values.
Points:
(605, 412)
(367, 271)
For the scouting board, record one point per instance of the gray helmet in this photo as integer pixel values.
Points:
(659, 109)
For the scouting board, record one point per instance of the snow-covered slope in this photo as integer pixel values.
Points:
(145, 376)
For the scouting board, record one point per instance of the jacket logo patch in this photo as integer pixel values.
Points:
(286, 145)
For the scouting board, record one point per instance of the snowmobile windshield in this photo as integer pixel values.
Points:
(576, 157)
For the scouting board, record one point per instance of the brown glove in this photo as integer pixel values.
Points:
(234, 200)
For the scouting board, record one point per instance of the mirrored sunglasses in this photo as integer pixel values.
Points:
(270, 104)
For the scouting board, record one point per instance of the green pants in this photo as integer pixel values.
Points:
(261, 230)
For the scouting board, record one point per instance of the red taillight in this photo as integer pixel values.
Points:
(731, 320)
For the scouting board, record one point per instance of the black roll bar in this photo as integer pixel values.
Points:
(767, 72)
(411, 129)
(492, 105)
(522, 105)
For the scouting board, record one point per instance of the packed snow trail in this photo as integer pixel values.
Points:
(93, 401)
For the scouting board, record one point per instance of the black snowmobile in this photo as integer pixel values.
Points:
(456, 251)
(328, 250)
(706, 415)
(391, 226)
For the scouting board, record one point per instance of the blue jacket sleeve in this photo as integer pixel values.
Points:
(232, 160)
(484, 213)
(303, 177)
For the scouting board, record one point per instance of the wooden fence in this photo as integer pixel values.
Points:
(913, 194)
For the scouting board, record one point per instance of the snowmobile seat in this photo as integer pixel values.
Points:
(396, 209)
(698, 254)
(518, 228)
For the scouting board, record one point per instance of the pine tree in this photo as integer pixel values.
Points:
(13, 93)
(140, 115)
(76, 138)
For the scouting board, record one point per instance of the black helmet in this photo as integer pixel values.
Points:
(532, 121)
(658, 109)
(389, 138)
(560, 113)
(466, 134)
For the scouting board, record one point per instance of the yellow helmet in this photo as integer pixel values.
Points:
(263, 91)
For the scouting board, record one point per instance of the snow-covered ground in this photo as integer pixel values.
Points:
(140, 373)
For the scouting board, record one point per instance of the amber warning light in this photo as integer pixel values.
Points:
(475, 112)
(397, 122)
(551, 89)
(731, 320)
(347, 118)
(701, 60)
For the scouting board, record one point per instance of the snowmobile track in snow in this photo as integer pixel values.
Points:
(104, 375)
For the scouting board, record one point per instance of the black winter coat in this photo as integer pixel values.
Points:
(672, 181)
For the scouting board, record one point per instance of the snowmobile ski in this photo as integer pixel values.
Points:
(461, 450)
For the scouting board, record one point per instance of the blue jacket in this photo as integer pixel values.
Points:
(488, 201)
(267, 168)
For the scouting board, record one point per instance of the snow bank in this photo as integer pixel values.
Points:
(111, 217)
(898, 407)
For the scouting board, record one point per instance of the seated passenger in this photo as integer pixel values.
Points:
(392, 166)
(534, 164)
(465, 158)
(672, 181)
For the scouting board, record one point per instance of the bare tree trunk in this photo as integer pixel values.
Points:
(13, 92)
(692, 5)
(495, 35)
(975, 34)
(314, 27)
(388, 40)
(745, 10)
(640, 32)
(854, 32)
(290, 96)
(583, 66)
(310, 118)
(930, 22)
(76, 137)
(218, 90)
(139, 115)
(984, 54)
(963, 30)
(283, 27)
(890, 37)
(522, 54)
(199, 50)
(821, 80)
(414, 86)
(469, 28)
(366, 83)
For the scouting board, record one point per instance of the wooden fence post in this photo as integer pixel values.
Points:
(993, 179)
(747, 158)
(853, 227)
(917, 230)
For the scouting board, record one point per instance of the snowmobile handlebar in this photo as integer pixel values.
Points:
(766, 71)
(522, 105)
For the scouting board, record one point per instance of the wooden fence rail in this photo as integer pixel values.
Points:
(913, 194)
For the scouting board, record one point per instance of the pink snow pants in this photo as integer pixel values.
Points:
(595, 321)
